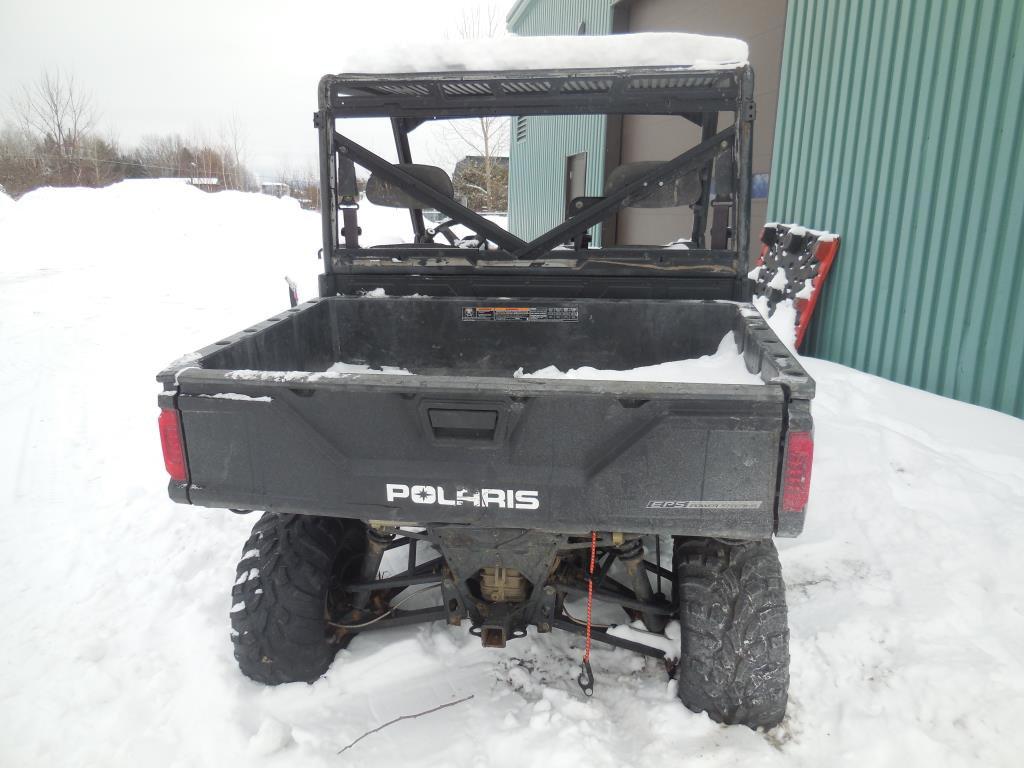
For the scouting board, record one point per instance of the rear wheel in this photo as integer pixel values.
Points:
(289, 567)
(734, 663)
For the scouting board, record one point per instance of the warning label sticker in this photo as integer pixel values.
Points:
(522, 314)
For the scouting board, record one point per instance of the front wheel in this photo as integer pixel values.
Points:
(731, 598)
(280, 598)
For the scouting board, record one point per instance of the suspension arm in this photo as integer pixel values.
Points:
(424, 573)
(602, 636)
(402, 618)
(611, 597)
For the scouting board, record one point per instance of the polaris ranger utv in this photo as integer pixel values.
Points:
(515, 499)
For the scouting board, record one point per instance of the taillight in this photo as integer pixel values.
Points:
(174, 448)
(796, 477)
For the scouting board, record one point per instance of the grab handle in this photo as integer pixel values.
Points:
(464, 423)
(461, 424)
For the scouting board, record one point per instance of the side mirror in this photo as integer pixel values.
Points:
(673, 193)
(382, 192)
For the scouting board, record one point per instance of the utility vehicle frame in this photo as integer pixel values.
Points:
(512, 496)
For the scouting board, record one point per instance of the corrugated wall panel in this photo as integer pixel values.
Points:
(900, 128)
(537, 163)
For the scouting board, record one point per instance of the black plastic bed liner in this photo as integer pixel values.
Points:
(464, 442)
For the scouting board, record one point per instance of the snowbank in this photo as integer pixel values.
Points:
(905, 603)
(6, 206)
(653, 49)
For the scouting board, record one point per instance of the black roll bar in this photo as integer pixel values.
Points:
(412, 99)
(635, 190)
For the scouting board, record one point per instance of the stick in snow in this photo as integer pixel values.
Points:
(405, 717)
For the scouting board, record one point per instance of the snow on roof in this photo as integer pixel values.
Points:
(646, 49)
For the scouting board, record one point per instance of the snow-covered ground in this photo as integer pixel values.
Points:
(905, 590)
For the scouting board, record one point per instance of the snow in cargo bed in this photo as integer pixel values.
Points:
(725, 366)
(905, 604)
(449, 338)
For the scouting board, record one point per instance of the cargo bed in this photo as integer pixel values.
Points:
(267, 426)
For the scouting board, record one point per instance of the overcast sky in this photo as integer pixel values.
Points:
(188, 66)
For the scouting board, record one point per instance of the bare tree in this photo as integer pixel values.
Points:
(61, 114)
(483, 180)
(303, 184)
(233, 141)
(20, 165)
(100, 162)
(479, 21)
(53, 141)
(169, 155)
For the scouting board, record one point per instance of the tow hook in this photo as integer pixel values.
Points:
(586, 679)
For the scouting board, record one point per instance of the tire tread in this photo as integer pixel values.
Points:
(734, 663)
(280, 635)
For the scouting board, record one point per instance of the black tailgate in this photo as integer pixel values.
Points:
(560, 455)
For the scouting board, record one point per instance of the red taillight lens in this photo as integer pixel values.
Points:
(171, 442)
(796, 478)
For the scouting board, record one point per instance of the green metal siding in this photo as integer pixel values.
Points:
(899, 127)
(537, 163)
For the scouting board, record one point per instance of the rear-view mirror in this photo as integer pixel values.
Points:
(380, 191)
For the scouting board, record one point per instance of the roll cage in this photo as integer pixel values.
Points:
(559, 262)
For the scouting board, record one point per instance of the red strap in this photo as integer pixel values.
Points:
(590, 591)
(586, 678)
